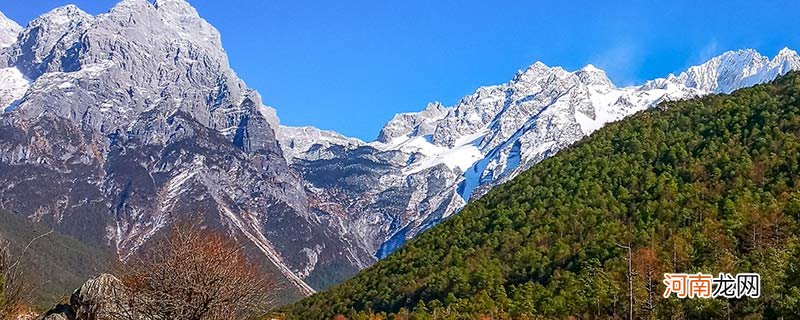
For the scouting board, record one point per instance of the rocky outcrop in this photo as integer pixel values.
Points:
(98, 299)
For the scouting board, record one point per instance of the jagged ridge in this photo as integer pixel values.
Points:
(497, 132)
(122, 123)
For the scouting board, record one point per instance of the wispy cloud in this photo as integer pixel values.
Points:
(709, 51)
(621, 62)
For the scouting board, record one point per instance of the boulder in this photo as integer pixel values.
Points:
(98, 299)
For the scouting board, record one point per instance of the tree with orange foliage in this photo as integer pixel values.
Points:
(193, 274)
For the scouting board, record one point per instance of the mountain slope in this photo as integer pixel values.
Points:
(55, 264)
(707, 185)
(117, 125)
(9, 30)
(426, 165)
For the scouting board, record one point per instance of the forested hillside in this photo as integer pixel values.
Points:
(54, 264)
(708, 185)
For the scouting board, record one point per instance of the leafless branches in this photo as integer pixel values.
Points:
(193, 274)
(13, 289)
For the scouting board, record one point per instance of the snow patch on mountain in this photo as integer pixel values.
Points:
(733, 70)
(498, 131)
(9, 29)
(412, 123)
(461, 156)
(299, 142)
(139, 107)
(149, 87)
(12, 87)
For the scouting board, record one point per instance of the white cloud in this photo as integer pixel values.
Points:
(620, 63)
(709, 51)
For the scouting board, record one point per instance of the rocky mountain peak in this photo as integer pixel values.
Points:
(724, 72)
(9, 29)
(413, 123)
(435, 107)
(141, 108)
(496, 132)
(535, 71)
(149, 56)
(737, 69)
(787, 59)
(44, 37)
(307, 143)
(131, 5)
(593, 76)
(177, 8)
(786, 52)
(64, 16)
(746, 61)
(185, 16)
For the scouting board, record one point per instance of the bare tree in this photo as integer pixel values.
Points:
(629, 277)
(10, 288)
(14, 290)
(193, 274)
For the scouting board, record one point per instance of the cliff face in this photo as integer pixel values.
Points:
(425, 166)
(114, 126)
(133, 119)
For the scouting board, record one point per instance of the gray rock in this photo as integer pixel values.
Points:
(133, 119)
(99, 298)
(498, 132)
(122, 123)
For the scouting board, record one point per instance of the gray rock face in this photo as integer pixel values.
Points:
(445, 156)
(374, 198)
(99, 298)
(9, 30)
(115, 126)
(418, 123)
(133, 119)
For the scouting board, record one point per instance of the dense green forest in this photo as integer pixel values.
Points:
(708, 185)
(55, 264)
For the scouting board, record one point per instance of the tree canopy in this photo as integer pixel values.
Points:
(706, 185)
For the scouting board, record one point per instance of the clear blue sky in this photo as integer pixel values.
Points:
(351, 65)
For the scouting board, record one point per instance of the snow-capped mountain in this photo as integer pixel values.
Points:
(117, 125)
(114, 126)
(734, 70)
(12, 83)
(492, 135)
(310, 142)
(9, 29)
